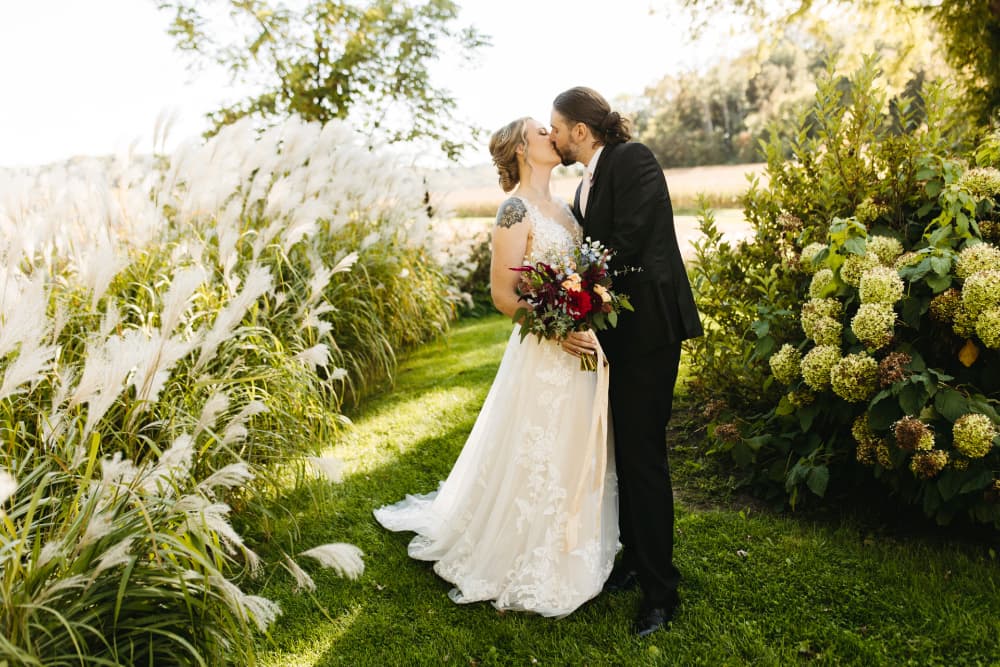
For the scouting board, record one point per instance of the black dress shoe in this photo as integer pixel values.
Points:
(620, 580)
(651, 619)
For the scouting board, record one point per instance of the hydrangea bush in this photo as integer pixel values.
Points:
(862, 322)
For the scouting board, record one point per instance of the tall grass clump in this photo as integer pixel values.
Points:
(172, 330)
(857, 335)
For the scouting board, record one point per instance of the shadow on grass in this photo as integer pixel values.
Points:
(759, 587)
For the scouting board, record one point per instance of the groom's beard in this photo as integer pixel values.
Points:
(567, 159)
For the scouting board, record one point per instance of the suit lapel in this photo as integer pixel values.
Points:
(576, 203)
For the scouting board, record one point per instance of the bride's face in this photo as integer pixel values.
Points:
(539, 149)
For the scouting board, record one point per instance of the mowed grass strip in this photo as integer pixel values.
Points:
(759, 588)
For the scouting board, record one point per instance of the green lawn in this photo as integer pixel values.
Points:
(759, 587)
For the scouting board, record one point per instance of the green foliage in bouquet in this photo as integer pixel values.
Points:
(858, 332)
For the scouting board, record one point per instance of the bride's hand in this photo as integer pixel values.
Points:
(579, 343)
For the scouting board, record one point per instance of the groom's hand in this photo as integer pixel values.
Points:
(579, 343)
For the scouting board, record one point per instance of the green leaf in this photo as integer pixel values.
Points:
(941, 265)
(764, 347)
(613, 318)
(761, 328)
(807, 414)
(951, 404)
(785, 407)
(883, 412)
(948, 484)
(741, 454)
(855, 246)
(912, 397)
(978, 481)
(913, 308)
(818, 479)
(939, 283)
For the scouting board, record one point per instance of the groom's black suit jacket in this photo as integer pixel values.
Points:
(629, 211)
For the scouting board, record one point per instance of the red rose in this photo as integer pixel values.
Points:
(579, 304)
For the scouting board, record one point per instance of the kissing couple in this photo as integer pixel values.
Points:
(539, 503)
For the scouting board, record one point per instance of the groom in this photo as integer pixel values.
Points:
(623, 202)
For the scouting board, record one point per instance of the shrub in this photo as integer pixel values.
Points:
(887, 285)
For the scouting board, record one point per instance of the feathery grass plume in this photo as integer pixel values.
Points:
(204, 517)
(8, 485)
(258, 282)
(302, 579)
(230, 476)
(184, 284)
(260, 610)
(317, 355)
(236, 429)
(329, 467)
(174, 464)
(29, 367)
(216, 404)
(344, 559)
(23, 305)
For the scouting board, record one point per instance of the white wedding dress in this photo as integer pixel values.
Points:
(528, 516)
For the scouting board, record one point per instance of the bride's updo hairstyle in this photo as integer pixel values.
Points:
(587, 106)
(503, 148)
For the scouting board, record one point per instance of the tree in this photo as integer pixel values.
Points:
(970, 31)
(330, 59)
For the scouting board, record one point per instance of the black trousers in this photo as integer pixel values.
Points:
(642, 394)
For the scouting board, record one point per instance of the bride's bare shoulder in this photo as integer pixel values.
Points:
(511, 212)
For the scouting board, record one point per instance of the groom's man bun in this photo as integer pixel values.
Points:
(503, 149)
(587, 106)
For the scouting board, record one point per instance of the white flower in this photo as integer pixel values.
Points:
(338, 374)
(344, 559)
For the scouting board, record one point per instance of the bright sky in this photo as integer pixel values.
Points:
(92, 77)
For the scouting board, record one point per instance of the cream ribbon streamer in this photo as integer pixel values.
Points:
(597, 439)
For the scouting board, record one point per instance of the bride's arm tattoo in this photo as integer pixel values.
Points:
(511, 212)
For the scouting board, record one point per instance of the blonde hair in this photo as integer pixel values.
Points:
(503, 149)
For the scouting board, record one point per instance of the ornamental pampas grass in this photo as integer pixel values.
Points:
(344, 559)
(8, 485)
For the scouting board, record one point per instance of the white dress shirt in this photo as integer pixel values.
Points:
(588, 179)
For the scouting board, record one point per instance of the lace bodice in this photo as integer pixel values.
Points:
(550, 239)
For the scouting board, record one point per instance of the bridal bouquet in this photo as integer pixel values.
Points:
(573, 294)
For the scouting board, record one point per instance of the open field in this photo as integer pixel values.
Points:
(474, 191)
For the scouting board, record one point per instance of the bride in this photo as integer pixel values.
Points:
(528, 516)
